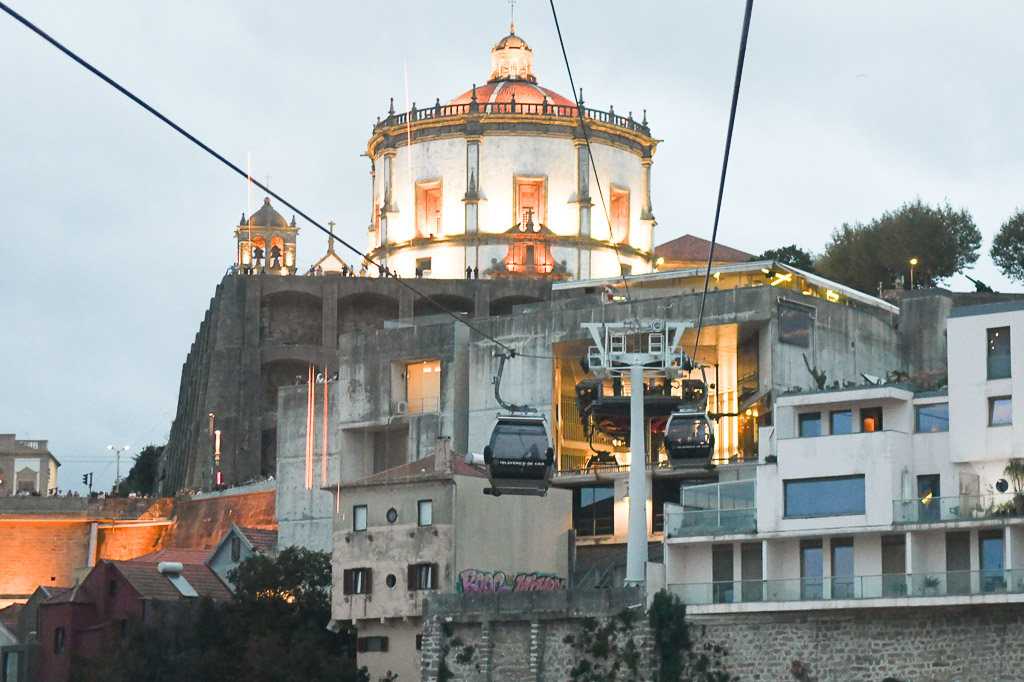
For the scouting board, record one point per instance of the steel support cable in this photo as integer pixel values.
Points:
(725, 166)
(127, 93)
(593, 164)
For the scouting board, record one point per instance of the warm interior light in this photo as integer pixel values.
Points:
(781, 277)
(289, 258)
(831, 295)
(717, 276)
(927, 498)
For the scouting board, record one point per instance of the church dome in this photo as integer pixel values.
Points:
(266, 217)
(512, 78)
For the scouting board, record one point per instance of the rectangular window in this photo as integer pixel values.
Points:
(12, 666)
(371, 644)
(931, 418)
(423, 266)
(958, 562)
(839, 496)
(236, 549)
(999, 411)
(58, 641)
(870, 419)
(812, 569)
(530, 204)
(425, 512)
(419, 642)
(359, 517)
(593, 510)
(841, 422)
(618, 212)
(752, 571)
(796, 322)
(722, 574)
(428, 209)
(894, 566)
(423, 386)
(422, 577)
(357, 581)
(999, 353)
(992, 559)
(842, 568)
(810, 424)
(929, 508)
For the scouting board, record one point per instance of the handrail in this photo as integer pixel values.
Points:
(439, 111)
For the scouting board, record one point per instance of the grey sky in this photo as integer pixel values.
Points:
(118, 230)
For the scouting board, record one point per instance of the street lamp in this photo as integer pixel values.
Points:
(117, 475)
(913, 262)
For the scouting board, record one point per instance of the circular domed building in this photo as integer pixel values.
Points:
(499, 180)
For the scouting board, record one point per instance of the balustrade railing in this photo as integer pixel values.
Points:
(956, 508)
(524, 109)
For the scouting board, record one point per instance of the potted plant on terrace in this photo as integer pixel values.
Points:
(1015, 472)
(931, 584)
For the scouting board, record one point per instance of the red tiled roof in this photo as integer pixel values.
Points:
(422, 468)
(182, 555)
(152, 584)
(690, 248)
(503, 90)
(9, 616)
(262, 540)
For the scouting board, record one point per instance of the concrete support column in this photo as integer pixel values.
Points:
(406, 303)
(636, 540)
(329, 337)
(482, 302)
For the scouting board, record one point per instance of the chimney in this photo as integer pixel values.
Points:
(443, 455)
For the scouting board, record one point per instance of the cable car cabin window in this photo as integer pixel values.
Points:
(811, 497)
(809, 424)
(796, 324)
(520, 441)
(932, 418)
(593, 510)
(999, 353)
(870, 419)
(841, 422)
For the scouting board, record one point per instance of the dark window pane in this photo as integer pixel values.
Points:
(812, 567)
(796, 323)
(932, 418)
(825, 496)
(841, 422)
(842, 568)
(999, 411)
(593, 510)
(999, 353)
(810, 424)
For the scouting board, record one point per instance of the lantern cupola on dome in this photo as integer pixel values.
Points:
(512, 59)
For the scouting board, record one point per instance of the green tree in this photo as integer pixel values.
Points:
(142, 477)
(790, 255)
(1008, 247)
(275, 630)
(943, 240)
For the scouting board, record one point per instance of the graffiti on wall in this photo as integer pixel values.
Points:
(472, 581)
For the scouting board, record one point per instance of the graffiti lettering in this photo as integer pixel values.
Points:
(472, 581)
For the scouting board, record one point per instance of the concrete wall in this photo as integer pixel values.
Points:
(967, 644)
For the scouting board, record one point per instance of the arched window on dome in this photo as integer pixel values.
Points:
(275, 258)
(428, 209)
(515, 68)
(618, 212)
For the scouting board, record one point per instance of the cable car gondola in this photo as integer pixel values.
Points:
(519, 457)
(689, 434)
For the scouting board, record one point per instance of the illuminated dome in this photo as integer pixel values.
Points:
(266, 217)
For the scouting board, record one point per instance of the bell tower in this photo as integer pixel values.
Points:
(266, 242)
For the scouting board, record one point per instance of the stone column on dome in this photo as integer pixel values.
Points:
(583, 186)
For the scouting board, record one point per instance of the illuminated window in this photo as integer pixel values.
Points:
(870, 419)
(428, 208)
(618, 214)
(357, 581)
(999, 353)
(423, 386)
(359, 517)
(530, 204)
(1000, 411)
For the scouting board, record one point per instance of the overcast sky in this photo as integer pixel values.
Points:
(117, 230)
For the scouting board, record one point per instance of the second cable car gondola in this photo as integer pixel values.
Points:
(689, 433)
(519, 456)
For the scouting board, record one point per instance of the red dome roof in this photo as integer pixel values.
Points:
(503, 90)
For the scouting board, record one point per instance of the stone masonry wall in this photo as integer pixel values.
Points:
(525, 636)
(977, 643)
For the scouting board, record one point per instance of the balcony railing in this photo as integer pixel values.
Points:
(513, 107)
(956, 508)
(713, 509)
(891, 586)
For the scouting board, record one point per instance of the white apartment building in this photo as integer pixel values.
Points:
(870, 496)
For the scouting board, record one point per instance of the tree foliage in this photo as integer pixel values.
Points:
(275, 630)
(943, 240)
(142, 477)
(790, 255)
(678, 657)
(1008, 247)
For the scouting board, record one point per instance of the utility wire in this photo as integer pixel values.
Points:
(124, 91)
(597, 179)
(725, 166)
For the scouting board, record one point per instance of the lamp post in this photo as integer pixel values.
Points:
(913, 262)
(117, 476)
